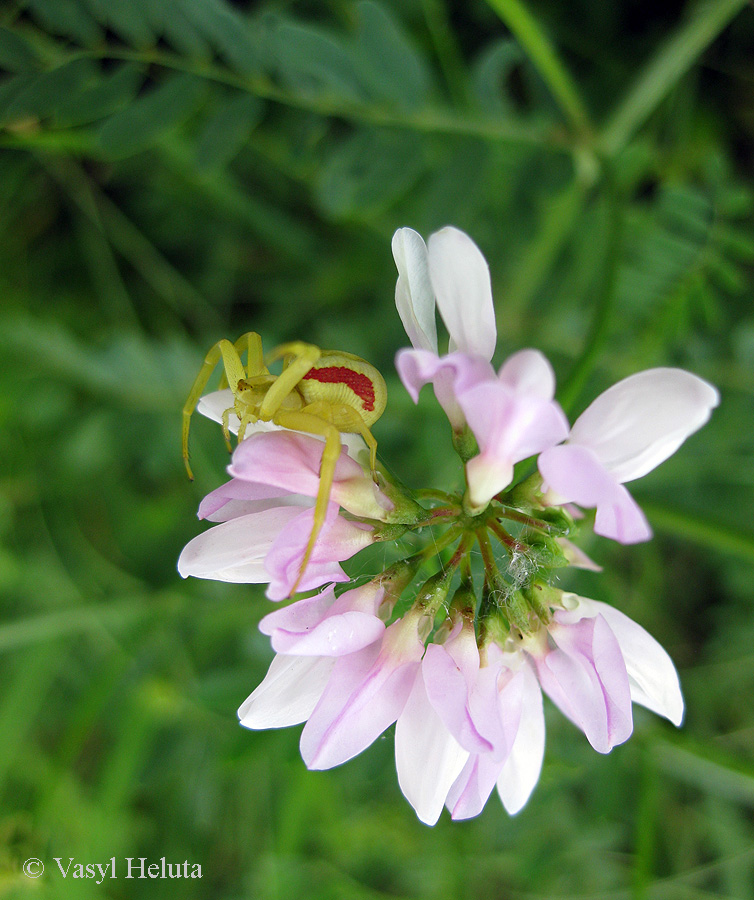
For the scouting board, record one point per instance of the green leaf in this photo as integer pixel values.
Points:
(125, 18)
(66, 18)
(229, 33)
(227, 130)
(10, 89)
(370, 171)
(141, 124)
(491, 74)
(387, 62)
(16, 54)
(313, 62)
(101, 99)
(48, 91)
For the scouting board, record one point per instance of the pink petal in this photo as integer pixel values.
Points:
(471, 790)
(240, 498)
(427, 757)
(338, 540)
(367, 692)
(450, 375)
(288, 694)
(638, 423)
(325, 626)
(586, 678)
(652, 676)
(529, 373)
(508, 427)
(414, 297)
(576, 475)
(448, 688)
(291, 462)
(461, 282)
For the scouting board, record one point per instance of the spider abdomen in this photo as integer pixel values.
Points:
(343, 378)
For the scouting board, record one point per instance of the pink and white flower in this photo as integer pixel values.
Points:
(626, 432)
(452, 274)
(512, 417)
(512, 414)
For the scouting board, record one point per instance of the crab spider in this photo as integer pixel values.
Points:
(320, 392)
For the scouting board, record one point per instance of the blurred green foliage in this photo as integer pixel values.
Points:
(176, 171)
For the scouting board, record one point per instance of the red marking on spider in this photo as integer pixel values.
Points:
(360, 384)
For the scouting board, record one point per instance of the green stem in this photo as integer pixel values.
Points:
(490, 566)
(535, 264)
(671, 62)
(509, 542)
(429, 120)
(538, 48)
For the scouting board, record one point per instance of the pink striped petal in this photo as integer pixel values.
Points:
(291, 462)
(585, 676)
(338, 540)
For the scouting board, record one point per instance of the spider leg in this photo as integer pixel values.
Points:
(349, 421)
(226, 428)
(304, 357)
(303, 421)
(251, 343)
(234, 372)
(245, 420)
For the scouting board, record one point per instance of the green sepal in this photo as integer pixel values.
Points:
(547, 551)
(465, 444)
(389, 532)
(542, 597)
(558, 519)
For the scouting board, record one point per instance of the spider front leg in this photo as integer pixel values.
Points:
(234, 372)
(303, 421)
(251, 344)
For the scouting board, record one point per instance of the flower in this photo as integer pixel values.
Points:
(512, 415)
(626, 432)
(450, 273)
(460, 676)
(266, 522)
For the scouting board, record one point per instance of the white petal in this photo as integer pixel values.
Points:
(413, 292)
(235, 550)
(461, 281)
(638, 423)
(521, 771)
(288, 694)
(652, 676)
(427, 758)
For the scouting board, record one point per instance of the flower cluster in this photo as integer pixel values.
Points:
(455, 652)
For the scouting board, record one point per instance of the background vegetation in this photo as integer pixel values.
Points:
(176, 171)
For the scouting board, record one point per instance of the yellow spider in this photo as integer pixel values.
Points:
(320, 392)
